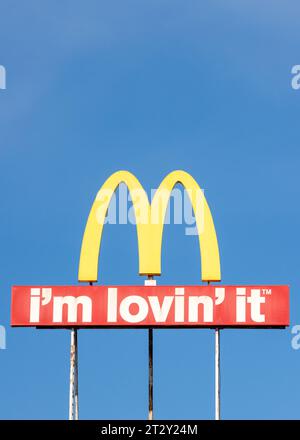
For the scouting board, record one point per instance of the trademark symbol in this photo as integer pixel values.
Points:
(266, 291)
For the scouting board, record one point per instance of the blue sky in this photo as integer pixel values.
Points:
(149, 86)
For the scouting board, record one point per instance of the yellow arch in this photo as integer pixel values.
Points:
(150, 224)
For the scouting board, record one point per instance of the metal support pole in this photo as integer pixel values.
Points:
(217, 374)
(76, 378)
(150, 350)
(73, 397)
(150, 282)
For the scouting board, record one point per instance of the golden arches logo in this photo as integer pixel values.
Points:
(150, 224)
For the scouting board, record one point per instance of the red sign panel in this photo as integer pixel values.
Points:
(150, 306)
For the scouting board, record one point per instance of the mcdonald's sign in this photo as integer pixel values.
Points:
(150, 225)
(150, 306)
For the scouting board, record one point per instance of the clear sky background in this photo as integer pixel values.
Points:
(149, 86)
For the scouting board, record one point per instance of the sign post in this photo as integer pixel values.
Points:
(150, 282)
(73, 398)
(150, 351)
(217, 374)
